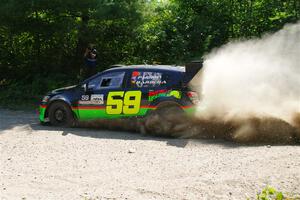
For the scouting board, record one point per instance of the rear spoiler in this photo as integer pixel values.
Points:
(191, 69)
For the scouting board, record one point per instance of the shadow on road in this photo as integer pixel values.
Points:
(125, 135)
(16, 120)
(28, 121)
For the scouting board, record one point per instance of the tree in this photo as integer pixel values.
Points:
(42, 41)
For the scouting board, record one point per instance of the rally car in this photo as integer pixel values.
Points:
(121, 92)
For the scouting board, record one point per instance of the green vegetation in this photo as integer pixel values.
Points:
(43, 41)
(269, 193)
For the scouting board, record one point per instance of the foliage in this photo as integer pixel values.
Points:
(44, 40)
(269, 193)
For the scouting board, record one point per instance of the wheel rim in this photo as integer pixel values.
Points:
(59, 115)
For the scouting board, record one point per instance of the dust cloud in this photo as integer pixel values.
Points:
(250, 93)
(251, 89)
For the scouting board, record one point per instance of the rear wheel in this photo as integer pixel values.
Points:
(163, 120)
(60, 114)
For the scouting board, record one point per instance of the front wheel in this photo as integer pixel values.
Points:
(60, 114)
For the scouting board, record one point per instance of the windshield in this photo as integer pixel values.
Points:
(89, 79)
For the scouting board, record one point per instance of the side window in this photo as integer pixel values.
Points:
(110, 80)
(94, 83)
(147, 79)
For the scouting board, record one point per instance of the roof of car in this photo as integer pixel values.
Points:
(159, 67)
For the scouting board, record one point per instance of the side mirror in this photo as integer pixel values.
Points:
(84, 86)
(86, 89)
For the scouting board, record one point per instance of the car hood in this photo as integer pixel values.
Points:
(64, 89)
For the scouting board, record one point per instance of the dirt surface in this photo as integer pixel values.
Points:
(38, 162)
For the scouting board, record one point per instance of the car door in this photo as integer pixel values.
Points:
(103, 97)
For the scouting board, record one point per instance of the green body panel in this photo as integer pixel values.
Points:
(42, 114)
(90, 114)
(164, 93)
(190, 111)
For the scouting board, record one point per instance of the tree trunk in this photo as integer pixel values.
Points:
(82, 43)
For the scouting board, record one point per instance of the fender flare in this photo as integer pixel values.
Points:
(163, 104)
(168, 104)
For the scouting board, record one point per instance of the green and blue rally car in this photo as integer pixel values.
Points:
(122, 92)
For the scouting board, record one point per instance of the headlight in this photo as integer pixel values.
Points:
(45, 99)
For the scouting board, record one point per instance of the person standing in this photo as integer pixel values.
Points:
(90, 59)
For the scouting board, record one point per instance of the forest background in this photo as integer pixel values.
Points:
(42, 42)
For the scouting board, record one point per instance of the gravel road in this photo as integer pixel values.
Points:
(38, 162)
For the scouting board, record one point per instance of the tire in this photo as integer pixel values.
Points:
(44, 123)
(162, 121)
(60, 114)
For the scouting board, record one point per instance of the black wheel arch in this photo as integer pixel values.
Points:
(163, 104)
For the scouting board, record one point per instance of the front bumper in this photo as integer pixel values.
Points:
(42, 113)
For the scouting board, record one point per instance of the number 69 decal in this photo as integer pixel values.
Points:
(121, 102)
